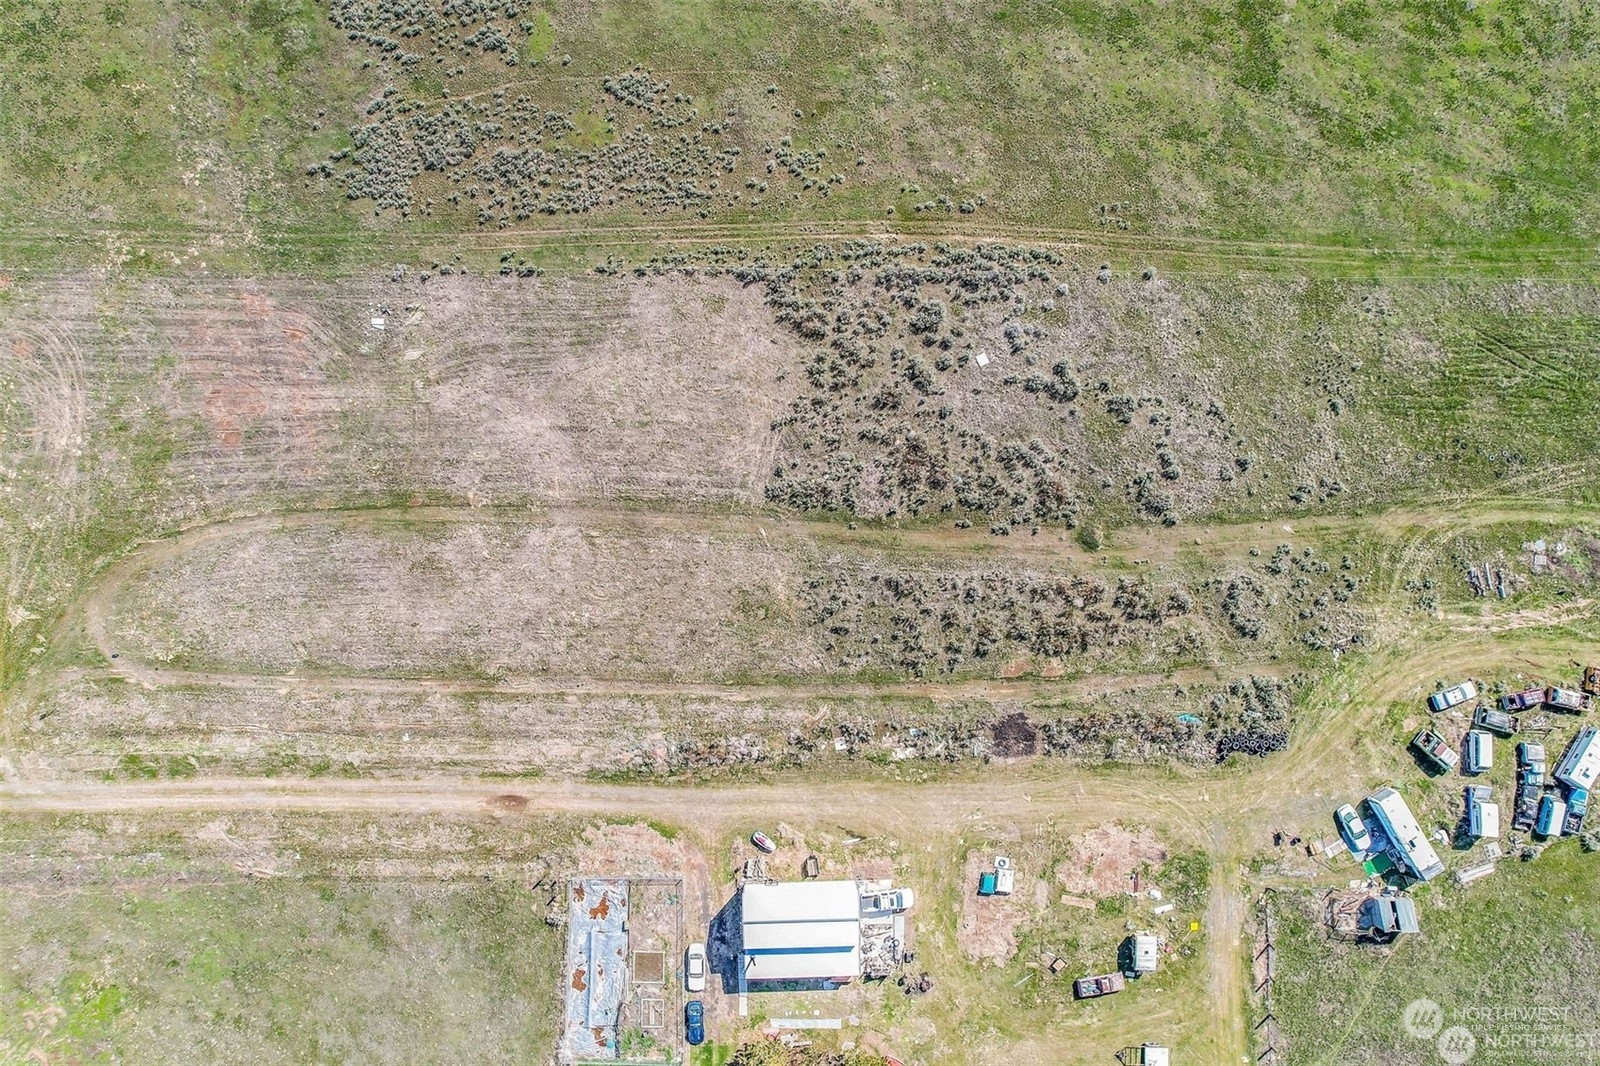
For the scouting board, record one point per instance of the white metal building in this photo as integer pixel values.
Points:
(802, 931)
(1580, 764)
(1146, 953)
(1405, 835)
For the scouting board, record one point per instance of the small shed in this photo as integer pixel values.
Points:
(1389, 916)
(1146, 952)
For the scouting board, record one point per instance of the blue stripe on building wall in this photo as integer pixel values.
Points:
(801, 951)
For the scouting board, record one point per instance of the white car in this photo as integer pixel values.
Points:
(1353, 829)
(1454, 696)
(694, 968)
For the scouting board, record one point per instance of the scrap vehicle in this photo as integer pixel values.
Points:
(1529, 699)
(1480, 752)
(1530, 785)
(1454, 696)
(1565, 699)
(1530, 761)
(1100, 985)
(1499, 722)
(1483, 815)
(1552, 816)
(1577, 807)
(1434, 750)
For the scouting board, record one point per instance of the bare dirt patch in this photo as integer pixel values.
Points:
(611, 851)
(479, 599)
(989, 924)
(1102, 860)
(501, 387)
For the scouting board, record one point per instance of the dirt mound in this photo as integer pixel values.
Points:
(1101, 860)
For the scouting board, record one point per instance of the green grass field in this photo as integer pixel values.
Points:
(1428, 123)
(1509, 958)
(266, 940)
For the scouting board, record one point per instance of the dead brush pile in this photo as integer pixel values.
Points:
(1249, 715)
(954, 380)
(922, 624)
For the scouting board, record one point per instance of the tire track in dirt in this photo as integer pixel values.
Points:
(1545, 264)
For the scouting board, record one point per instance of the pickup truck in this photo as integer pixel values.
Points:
(1529, 699)
(1433, 748)
(1499, 722)
(1453, 696)
(1564, 699)
(1103, 985)
(897, 902)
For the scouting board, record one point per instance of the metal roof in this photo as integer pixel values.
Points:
(802, 901)
(1404, 834)
(1580, 765)
(801, 931)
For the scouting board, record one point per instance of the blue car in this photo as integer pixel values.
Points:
(694, 1022)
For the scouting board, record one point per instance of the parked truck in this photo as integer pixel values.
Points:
(1434, 750)
(1552, 816)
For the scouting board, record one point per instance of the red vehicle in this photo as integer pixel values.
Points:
(1527, 699)
(1103, 985)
